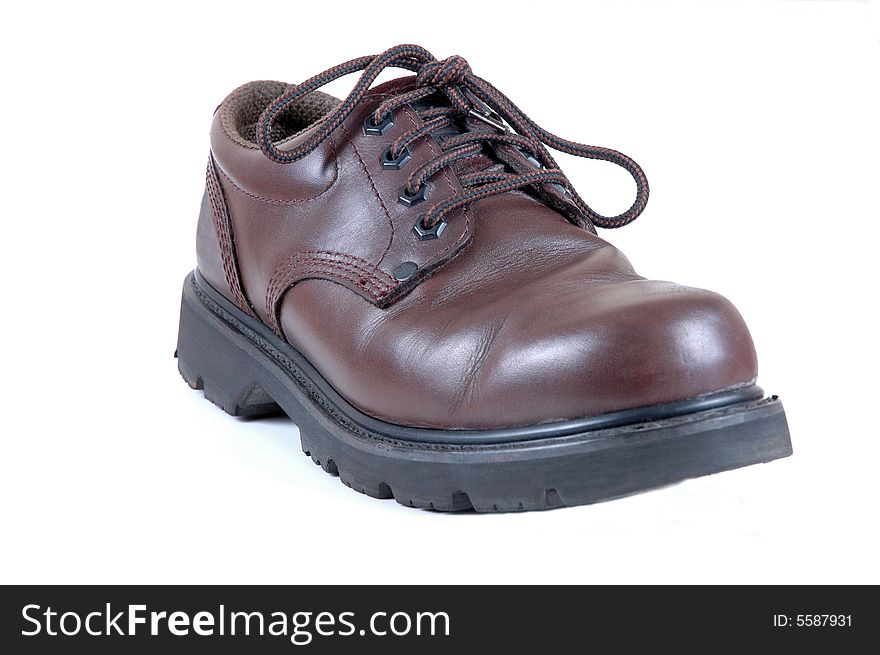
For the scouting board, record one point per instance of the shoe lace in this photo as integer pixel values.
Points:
(468, 96)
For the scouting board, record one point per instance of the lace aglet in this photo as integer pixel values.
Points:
(490, 119)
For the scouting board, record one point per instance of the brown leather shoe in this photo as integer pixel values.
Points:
(409, 276)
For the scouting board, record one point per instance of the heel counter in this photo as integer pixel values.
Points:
(215, 248)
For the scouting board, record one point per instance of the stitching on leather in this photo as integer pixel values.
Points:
(435, 150)
(356, 276)
(275, 201)
(332, 257)
(299, 261)
(348, 275)
(362, 274)
(347, 256)
(327, 264)
(376, 191)
(354, 272)
(223, 228)
(299, 274)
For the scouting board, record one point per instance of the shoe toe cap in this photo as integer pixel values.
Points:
(621, 346)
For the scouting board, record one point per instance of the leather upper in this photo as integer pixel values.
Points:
(524, 318)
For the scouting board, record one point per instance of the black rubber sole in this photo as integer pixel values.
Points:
(248, 371)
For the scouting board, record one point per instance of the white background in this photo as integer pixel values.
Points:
(757, 124)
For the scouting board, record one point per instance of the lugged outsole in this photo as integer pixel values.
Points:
(246, 371)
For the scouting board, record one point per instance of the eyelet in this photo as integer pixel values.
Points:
(426, 234)
(532, 160)
(418, 197)
(378, 129)
(395, 164)
(405, 271)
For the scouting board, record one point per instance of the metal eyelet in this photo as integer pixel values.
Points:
(378, 129)
(395, 164)
(532, 160)
(418, 197)
(405, 271)
(426, 234)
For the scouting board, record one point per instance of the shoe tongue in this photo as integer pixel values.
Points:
(397, 85)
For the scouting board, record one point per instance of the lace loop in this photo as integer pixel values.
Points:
(467, 94)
